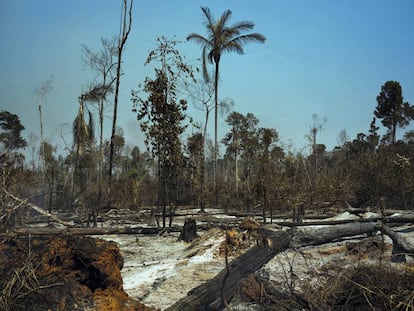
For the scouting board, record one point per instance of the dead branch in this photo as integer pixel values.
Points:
(36, 208)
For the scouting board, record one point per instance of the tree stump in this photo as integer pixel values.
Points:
(298, 212)
(189, 231)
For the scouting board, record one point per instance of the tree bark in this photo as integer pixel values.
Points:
(89, 231)
(216, 77)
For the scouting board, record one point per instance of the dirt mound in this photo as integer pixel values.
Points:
(62, 273)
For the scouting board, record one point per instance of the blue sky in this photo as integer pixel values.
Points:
(321, 57)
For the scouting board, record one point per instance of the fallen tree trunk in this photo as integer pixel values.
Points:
(89, 231)
(207, 296)
(328, 234)
(37, 209)
(398, 240)
(397, 220)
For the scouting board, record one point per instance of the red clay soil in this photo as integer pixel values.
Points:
(62, 273)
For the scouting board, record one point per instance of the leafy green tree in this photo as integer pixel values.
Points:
(392, 110)
(162, 116)
(221, 38)
(161, 122)
(11, 161)
(373, 137)
(11, 128)
(241, 144)
(232, 140)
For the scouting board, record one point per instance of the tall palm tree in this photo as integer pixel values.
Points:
(222, 37)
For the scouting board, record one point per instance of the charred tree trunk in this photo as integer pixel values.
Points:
(89, 231)
(208, 295)
(189, 231)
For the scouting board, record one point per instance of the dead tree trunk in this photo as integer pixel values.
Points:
(207, 296)
(189, 231)
(400, 247)
(328, 234)
(399, 240)
(89, 231)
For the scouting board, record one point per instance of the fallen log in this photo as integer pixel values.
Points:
(398, 240)
(328, 234)
(397, 220)
(37, 209)
(89, 231)
(208, 295)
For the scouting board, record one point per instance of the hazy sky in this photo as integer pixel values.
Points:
(321, 57)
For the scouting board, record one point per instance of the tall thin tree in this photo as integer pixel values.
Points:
(125, 29)
(41, 94)
(104, 64)
(221, 38)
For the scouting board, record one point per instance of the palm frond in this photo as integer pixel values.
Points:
(209, 17)
(243, 26)
(199, 39)
(91, 128)
(80, 129)
(206, 76)
(223, 20)
(236, 44)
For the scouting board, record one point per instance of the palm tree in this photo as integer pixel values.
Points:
(81, 130)
(222, 37)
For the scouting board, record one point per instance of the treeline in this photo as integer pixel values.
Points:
(256, 172)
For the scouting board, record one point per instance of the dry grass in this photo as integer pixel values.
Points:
(365, 287)
(22, 282)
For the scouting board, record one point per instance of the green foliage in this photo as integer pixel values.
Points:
(392, 110)
(161, 116)
(11, 128)
(221, 37)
